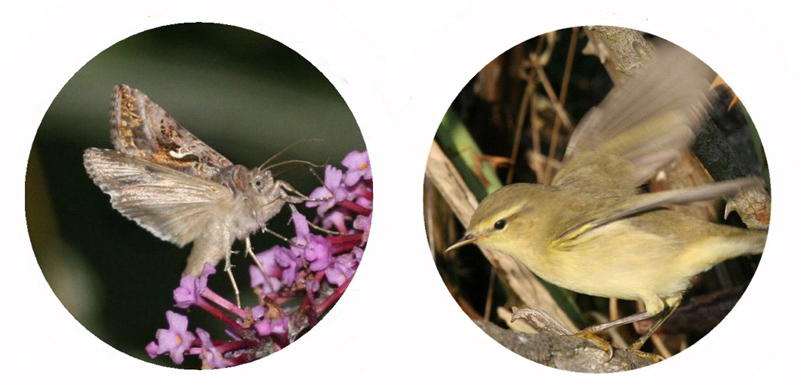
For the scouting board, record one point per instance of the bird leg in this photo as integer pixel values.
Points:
(664, 315)
(619, 322)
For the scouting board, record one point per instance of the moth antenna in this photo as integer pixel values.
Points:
(322, 182)
(311, 170)
(319, 179)
(287, 149)
(289, 162)
(276, 174)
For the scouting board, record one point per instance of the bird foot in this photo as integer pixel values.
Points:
(649, 356)
(603, 344)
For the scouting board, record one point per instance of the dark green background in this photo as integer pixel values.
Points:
(243, 94)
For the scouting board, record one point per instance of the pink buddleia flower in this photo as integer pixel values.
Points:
(358, 167)
(191, 287)
(295, 284)
(175, 340)
(211, 356)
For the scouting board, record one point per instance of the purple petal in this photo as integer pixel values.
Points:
(258, 312)
(300, 226)
(152, 349)
(177, 321)
(363, 222)
(210, 354)
(188, 293)
(263, 327)
(358, 167)
(337, 219)
(318, 253)
(287, 261)
(333, 177)
(312, 285)
(335, 276)
(257, 277)
(280, 326)
(176, 340)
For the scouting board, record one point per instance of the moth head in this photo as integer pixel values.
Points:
(265, 201)
(262, 181)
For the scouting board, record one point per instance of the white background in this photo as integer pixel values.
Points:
(398, 66)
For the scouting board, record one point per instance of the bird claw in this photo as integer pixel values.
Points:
(648, 356)
(603, 344)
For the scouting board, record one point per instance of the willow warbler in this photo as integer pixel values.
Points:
(593, 230)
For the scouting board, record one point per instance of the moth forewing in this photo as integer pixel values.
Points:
(172, 205)
(140, 127)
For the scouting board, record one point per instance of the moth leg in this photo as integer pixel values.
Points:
(322, 182)
(289, 190)
(249, 252)
(297, 196)
(321, 229)
(287, 240)
(315, 226)
(228, 269)
(278, 235)
(290, 241)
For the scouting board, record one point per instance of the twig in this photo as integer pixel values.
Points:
(548, 169)
(530, 89)
(563, 352)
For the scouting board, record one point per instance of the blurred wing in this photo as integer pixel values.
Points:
(613, 209)
(642, 125)
(172, 205)
(139, 127)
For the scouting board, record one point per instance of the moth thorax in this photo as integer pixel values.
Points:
(237, 178)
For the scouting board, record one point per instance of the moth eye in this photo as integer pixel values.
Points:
(258, 184)
(500, 225)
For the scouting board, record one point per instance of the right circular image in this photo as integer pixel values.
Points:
(597, 199)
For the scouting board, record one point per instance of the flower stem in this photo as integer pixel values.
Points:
(355, 207)
(219, 314)
(330, 300)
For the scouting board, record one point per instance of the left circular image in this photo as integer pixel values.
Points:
(220, 213)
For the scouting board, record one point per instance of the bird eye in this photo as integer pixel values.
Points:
(500, 225)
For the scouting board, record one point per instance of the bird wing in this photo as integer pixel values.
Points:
(640, 126)
(613, 209)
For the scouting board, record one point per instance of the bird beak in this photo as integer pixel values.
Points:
(467, 239)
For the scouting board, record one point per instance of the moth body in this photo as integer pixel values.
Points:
(178, 188)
